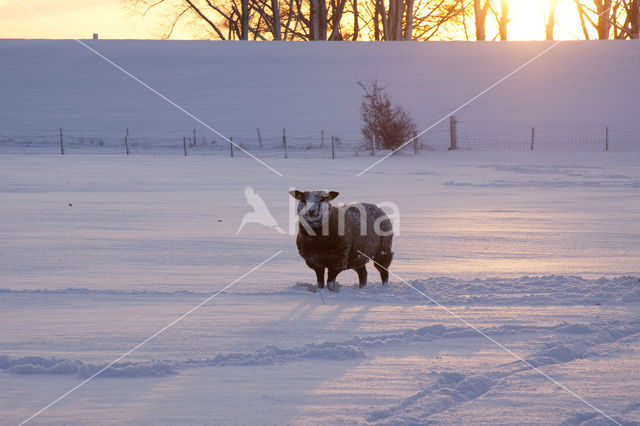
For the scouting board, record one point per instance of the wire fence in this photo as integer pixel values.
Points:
(285, 146)
(456, 135)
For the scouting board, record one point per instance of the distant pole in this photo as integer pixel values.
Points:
(284, 141)
(333, 148)
(321, 138)
(415, 142)
(453, 133)
(231, 145)
(373, 145)
(194, 136)
(184, 144)
(606, 139)
(61, 143)
(533, 136)
(259, 138)
(126, 142)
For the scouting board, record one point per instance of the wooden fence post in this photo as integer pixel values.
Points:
(126, 142)
(606, 139)
(415, 142)
(194, 137)
(61, 143)
(284, 141)
(259, 138)
(453, 133)
(373, 145)
(321, 138)
(333, 147)
(184, 144)
(231, 145)
(533, 136)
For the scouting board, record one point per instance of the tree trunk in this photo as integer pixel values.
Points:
(275, 5)
(480, 12)
(322, 19)
(551, 20)
(634, 19)
(504, 19)
(244, 20)
(408, 30)
(356, 21)
(313, 20)
(376, 23)
(604, 22)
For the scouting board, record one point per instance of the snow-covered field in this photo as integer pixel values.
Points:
(570, 94)
(538, 251)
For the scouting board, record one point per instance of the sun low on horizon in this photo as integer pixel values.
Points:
(116, 19)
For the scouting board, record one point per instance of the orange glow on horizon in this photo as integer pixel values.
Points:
(113, 19)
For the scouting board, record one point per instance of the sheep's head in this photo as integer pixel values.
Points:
(313, 205)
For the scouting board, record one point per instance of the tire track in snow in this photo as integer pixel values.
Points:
(455, 389)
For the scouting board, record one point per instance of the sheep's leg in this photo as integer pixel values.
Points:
(382, 260)
(331, 278)
(362, 275)
(320, 277)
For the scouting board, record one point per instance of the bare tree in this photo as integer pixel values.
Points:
(480, 10)
(410, 19)
(618, 19)
(502, 17)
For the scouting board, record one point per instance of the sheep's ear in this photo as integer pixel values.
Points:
(297, 195)
(333, 194)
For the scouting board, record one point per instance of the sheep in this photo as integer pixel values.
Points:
(336, 239)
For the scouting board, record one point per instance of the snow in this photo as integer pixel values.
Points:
(570, 94)
(538, 251)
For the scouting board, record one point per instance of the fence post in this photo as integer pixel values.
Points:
(231, 145)
(373, 145)
(321, 138)
(184, 144)
(284, 141)
(194, 136)
(606, 139)
(61, 143)
(415, 142)
(333, 149)
(126, 142)
(453, 133)
(259, 138)
(533, 136)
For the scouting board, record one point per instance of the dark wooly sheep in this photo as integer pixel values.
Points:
(343, 237)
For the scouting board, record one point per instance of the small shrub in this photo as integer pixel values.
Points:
(390, 124)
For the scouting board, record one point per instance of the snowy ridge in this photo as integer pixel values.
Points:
(589, 337)
(42, 365)
(525, 291)
(538, 291)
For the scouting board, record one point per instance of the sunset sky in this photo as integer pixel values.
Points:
(112, 19)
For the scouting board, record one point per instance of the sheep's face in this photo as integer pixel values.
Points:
(313, 205)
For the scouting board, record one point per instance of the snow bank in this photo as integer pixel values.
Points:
(43, 365)
(571, 341)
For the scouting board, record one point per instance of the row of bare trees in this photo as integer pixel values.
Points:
(377, 19)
